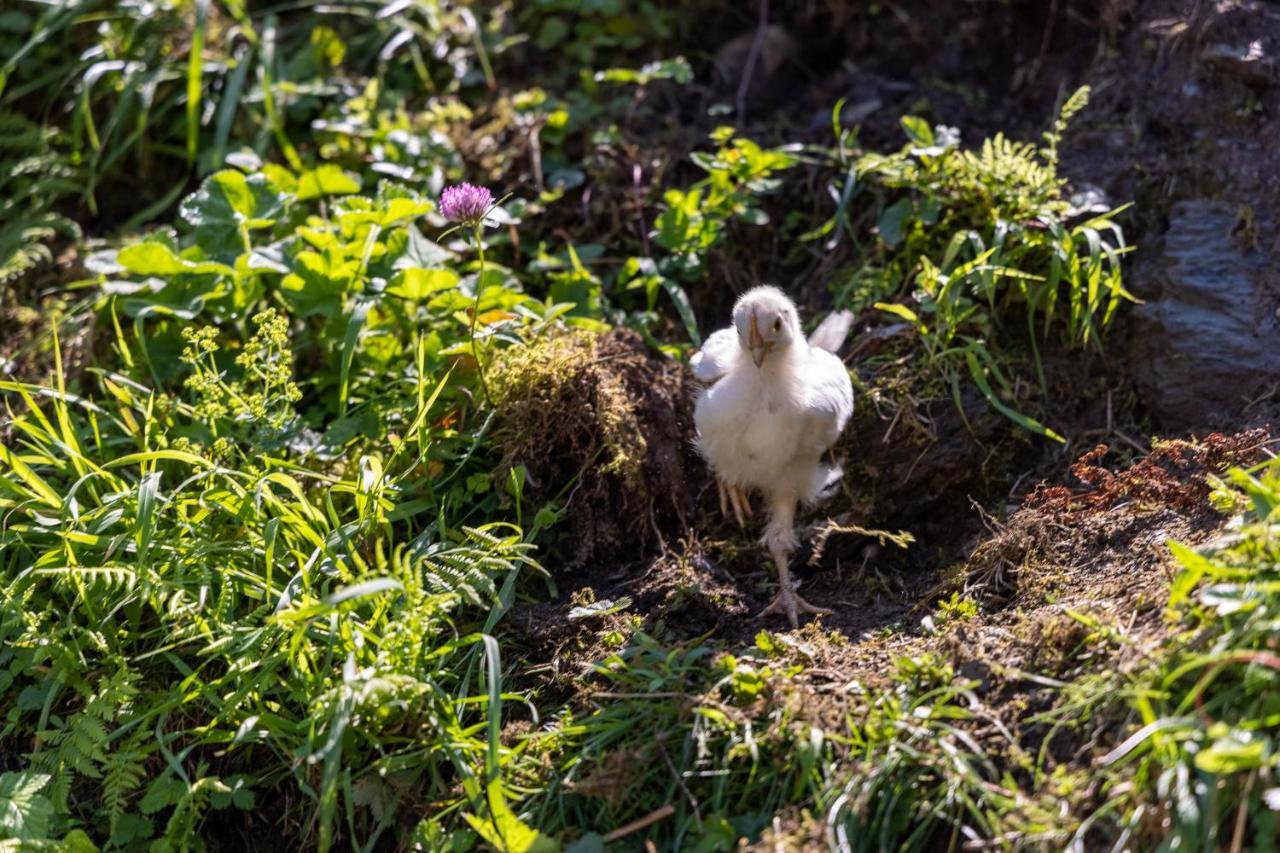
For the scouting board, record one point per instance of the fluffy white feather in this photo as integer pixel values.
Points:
(718, 355)
(776, 405)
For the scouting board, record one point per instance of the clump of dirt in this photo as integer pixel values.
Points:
(1116, 516)
(610, 417)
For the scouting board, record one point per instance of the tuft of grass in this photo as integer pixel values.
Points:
(980, 253)
(193, 618)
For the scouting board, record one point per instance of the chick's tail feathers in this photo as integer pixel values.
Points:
(832, 331)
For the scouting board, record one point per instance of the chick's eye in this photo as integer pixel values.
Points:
(777, 325)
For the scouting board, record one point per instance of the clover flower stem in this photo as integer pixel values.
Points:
(478, 233)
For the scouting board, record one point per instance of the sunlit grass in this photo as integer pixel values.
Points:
(262, 532)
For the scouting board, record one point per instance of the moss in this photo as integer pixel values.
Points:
(604, 420)
(558, 386)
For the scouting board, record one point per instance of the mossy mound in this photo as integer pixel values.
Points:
(613, 420)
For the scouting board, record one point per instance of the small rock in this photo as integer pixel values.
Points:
(1205, 344)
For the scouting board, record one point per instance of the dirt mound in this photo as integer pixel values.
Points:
(610, 417)
(1101, 538)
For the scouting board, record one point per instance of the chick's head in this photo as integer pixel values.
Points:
(766, 321)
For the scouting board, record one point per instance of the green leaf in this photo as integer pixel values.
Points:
(327, 47)
(717, 834)
(900, 311)
(77, 841)
(505, 831)
(1231, 754)
(152, 258)
(416, 251)
(979, 374)
(226, 207)
(399, 204)
(603, 607)
(418, 284)
(400, 210)
(326, 180)
(683, 308)
(355, 322)
(918, 130)
(373, 586)
(1194, 567)
(589, 843)
(318, 282)
(566, 179)
(25, 814)
(163, 791)
(677, 69)
(1263, 499)
(892, 220)
(553, 32)
(195, 78)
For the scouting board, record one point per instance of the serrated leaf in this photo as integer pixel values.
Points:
(162, 792)
(25, 814)
(227, 202)
(419, 284)
(318, 282)
(397, 211)
(418, 252)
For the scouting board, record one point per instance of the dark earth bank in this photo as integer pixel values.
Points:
(1181, 121)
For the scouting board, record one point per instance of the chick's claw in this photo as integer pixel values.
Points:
(786, 602)
(741, 503)
(732, 495)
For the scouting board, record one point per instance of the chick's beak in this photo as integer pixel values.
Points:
(756, 342)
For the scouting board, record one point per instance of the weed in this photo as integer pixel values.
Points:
(969, 240)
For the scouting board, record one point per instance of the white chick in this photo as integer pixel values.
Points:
(775, 405)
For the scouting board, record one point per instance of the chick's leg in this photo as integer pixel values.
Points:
(780, 539)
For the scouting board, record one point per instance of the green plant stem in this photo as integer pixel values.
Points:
(475, 313)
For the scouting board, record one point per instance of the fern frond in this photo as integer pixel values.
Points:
(34, 177)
